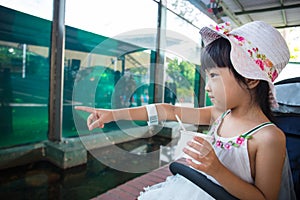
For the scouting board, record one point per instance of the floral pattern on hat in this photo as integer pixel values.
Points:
(223, 28)
(260, 59)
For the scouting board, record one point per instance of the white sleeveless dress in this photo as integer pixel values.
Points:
(233, 153)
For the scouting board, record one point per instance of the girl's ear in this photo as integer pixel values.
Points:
(251, 83)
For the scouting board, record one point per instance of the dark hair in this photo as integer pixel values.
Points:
(217, 54)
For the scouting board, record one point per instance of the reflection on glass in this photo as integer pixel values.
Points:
(102, 69)
(180, 68)
(189, 12)
(38, 8)
(24, 78)
(111, 18)
(179, 85)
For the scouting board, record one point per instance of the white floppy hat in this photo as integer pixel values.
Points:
(258, 51)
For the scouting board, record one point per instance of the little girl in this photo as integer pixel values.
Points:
(248, 155)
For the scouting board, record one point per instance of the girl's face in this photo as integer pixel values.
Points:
(224, 90)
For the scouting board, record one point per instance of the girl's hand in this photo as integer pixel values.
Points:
(97, 117)
(203, 152)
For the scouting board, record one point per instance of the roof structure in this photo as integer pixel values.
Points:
(278, 13)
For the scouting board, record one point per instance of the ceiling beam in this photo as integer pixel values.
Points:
(237, 2)
(283, 13)
(288, 26)
(267, 9)
(230, 14)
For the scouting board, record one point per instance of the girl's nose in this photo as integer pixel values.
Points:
(207, 87)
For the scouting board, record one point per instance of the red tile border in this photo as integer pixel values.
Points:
(132, 188)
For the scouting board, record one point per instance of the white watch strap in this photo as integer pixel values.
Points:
(152, 114)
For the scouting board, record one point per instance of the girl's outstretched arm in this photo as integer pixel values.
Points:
(98, 117)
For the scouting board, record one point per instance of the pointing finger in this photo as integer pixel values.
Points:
(85, 108)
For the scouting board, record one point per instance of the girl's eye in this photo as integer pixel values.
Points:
(212, 75)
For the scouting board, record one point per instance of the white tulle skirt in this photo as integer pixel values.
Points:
(174, 188)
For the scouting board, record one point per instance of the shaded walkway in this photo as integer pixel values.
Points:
(131, 189)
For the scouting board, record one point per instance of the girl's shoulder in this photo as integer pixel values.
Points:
(270, 135)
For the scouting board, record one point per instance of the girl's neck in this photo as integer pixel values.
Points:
(251, 112)
(239, 121)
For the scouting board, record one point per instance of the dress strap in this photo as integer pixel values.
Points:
(224, 114)
(258, 128)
